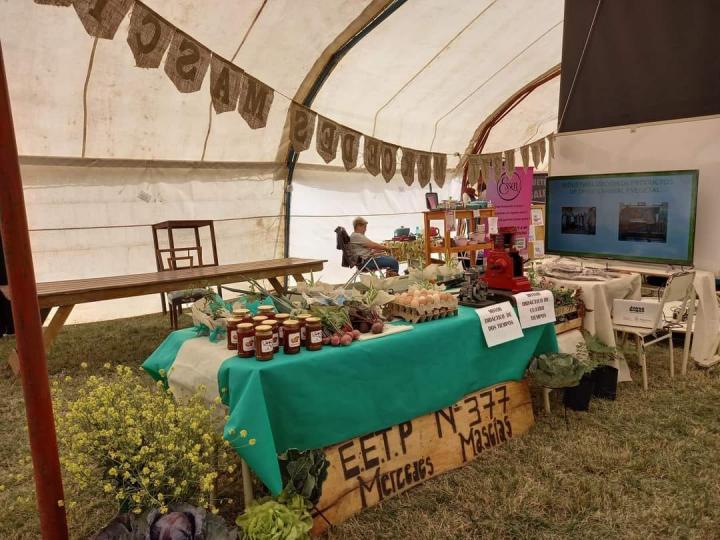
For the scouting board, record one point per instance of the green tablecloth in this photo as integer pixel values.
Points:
(315, 399)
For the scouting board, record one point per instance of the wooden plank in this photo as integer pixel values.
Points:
(277, 286)
(56, 323)
(367, 470)
(60, 293)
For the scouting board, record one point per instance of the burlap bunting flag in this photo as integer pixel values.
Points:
(326, 139)
(101, 18)
(525, 155)
(186, 63)
(54, 2)
(439, 169)
(148, 37)
(407, 166)
(551, 144)
(537, 149)
(371, 155)
(474, 169)
(388, 153)
(424, 168)
(302, 125)
(225, 83)
(485, 165)
(254, 102)
(510, 161)
(497, 165)
(349, 147)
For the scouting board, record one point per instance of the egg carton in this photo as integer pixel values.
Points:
(422, 313)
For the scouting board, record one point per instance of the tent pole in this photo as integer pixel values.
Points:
(28, 328)
(333, 61)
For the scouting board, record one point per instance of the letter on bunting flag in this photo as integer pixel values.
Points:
(423, 167)
(371, 155)
(101, 18)
(148, 37)
(225, 82)
(302, 124)
(439, 169)
(485, 164)
(407, 166)
(186, 63)
(389, 157)
(326, 138)
(350, 146)
(255, 100)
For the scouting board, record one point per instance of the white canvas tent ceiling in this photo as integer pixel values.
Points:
(425, 77)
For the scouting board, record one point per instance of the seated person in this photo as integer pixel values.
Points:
(364, 248)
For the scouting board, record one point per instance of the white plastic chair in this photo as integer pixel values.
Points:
(679, 288)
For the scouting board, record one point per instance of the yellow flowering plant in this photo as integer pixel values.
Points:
(145, 449)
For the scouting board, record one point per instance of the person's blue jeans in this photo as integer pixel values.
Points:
(384, 261)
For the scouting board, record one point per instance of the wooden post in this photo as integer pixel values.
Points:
(28, 329)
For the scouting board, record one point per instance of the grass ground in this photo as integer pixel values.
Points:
(644, 466)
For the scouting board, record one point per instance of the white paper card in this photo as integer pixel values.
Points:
(492, 225)
(531, 233)
(535, 308)
(520, 242)
(499, 323)
(536, 216)
(538, 249)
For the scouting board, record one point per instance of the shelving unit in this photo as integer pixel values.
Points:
(447, 249)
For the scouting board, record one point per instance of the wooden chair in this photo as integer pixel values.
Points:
(174, 257)
(680, 287)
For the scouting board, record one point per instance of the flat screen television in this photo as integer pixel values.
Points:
(632, 216)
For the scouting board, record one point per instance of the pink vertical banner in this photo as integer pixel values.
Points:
(511, 196)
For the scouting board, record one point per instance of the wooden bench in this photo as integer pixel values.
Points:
(66, 294)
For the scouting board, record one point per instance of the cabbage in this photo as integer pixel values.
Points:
(269, 519)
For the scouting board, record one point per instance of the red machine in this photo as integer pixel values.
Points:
(503, 264)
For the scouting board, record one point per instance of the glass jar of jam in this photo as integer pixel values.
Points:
(267, 311)
(259, 319)
(291, 345)
(232, 323)
(281, 318)
(272, 323)
(245, 340)
(302, 319)
(314, 334)
(264, 349)
(243, 314)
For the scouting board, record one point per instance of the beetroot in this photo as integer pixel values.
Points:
(377, 328)
(364, 327)
(346, 339)
(326, 340)
(355, 334)
(335, 340)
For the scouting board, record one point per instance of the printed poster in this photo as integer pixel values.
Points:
(511, 197)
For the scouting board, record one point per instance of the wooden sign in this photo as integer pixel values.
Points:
(367, 470)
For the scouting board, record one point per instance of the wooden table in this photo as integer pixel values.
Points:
(447, 248)
(66, 294)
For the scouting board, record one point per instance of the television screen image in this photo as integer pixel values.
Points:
(632, 216)
(578, 220)
(642, 222)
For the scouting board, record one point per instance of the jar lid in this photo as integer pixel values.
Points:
(234, 319)
(281, 316)
(240, 311)
(245, 325)
(271, 322)
(266, 307)
(303, 316)
(263, 328)
(259, 318)
(291, 322)
(313, 320)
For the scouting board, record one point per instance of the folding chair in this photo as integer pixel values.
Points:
(352, 261)
(679, 287)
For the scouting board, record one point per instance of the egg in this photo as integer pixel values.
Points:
(415, 304)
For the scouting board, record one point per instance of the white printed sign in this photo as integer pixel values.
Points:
(538, 249)
(536, 216)
(493, 225)
(531, 233)
(499, 323)
(535, 308)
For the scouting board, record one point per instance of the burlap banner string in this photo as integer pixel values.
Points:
(350, 147)
(101, 18)
(225, 84)
(424, 168)
(302, 124)
(510, 161)
(537, 156)
(439, 169)
(388, 153)
(186, 63)
(254, 102)
(326, 139)
(64, 3)
(407, 166)
(148, 37)
(371, 155)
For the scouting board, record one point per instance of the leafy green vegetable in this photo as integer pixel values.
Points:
(558, 370)
(304, 472)
(284, 518)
